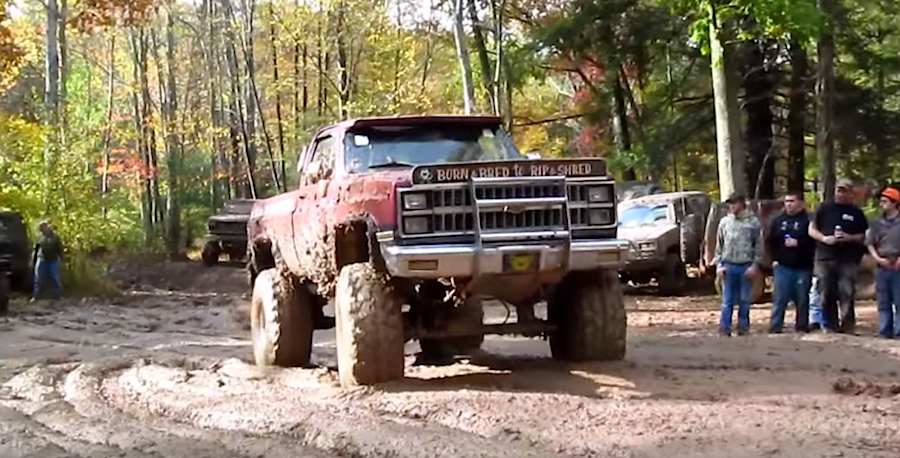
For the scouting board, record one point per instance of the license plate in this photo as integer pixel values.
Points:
(520, 262)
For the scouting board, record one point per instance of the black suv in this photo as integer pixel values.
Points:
(14, 256)
(228, 232)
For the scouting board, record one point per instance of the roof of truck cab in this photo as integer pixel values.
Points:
(477, 120)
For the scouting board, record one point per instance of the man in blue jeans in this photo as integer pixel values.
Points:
(47, 255)
(739, 252)
(883, 242)
(793, 252)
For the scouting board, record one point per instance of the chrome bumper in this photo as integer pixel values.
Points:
(439, 261)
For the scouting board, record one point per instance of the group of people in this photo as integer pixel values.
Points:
(814, 256)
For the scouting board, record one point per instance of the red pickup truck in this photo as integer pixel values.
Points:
(409, 222)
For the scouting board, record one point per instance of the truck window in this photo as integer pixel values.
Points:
(408, 146)
(321, 163)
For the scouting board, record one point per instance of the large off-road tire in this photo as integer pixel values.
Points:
(369, 327)
(589, 312)
(468, 316)
(210, 253)
(691, 239)
(4, 292)
(673, 276)
(281, 321)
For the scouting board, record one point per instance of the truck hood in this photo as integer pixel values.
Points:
(648, 232)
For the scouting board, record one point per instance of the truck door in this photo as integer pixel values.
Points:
(311, 214)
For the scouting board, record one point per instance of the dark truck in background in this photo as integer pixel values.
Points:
(15, 257)
(408, 223)
(227, 232)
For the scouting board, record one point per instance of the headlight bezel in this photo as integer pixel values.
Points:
(596, 217)
(600, 194)
(413, 201)
(423, 229)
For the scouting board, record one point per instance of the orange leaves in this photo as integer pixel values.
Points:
(94, 14)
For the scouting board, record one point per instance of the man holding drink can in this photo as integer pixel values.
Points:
(792, 252)
(839, 227)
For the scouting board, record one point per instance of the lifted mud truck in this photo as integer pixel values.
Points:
(227, 232)
(15, 271)
(409, 222)
(666, 236)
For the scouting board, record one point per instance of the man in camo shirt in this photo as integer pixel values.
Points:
(739, 252)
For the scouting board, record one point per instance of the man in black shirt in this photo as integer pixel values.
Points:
(840, 228)
(792, 251)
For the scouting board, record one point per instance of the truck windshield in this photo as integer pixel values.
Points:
(640, 215)
(408, 146)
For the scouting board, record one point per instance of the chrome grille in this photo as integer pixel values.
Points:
(451, 209)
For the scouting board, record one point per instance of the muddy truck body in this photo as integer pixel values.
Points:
(408, 223)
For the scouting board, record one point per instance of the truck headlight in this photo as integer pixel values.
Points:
(415, 225)
(415, 201)
(647, 246)
(600, 217)
(600, 194)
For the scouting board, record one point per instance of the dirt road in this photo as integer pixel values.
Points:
(163, 371)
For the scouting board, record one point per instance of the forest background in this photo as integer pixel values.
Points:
(128, 122)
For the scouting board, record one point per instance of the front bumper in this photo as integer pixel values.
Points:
(464, 260)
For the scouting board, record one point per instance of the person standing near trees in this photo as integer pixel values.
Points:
(883, 241)
(48, 253)
(739, 252)
(792, 252)
(839, 227)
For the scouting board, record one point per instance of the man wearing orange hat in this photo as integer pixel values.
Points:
(883, 241)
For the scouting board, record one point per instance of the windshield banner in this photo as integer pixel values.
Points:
(451, 173)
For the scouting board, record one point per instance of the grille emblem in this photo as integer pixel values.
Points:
(426, 175)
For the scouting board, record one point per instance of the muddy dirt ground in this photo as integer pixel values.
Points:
(163, 370)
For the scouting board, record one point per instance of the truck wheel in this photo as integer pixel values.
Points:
(281, 322)
(210, 254)
(673, 276)
(589, 312)
(469, 316)
(368, 328)
(4, 293)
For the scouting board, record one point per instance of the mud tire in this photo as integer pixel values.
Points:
(4, 292)
(589, 312)
(368, 328)
(210, 253)
(469, 316)
(281, 322)
(673, 276)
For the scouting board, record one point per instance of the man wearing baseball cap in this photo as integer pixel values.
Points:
(883, 241)
(840, 228)
(739, 253)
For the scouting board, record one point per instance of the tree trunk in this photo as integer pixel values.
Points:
(250, 121)
(759, 95)
(159, 211)
(459, 36)
(620, 124)
(275, 82)
(825, 103)
(730, 153)
(137, 56)
(173, 145)
(239, 127)
(110, 105)
(500, 73)
(63, 73)
(51, 101)
(216, 156)
(797, 118)
(486, 69)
